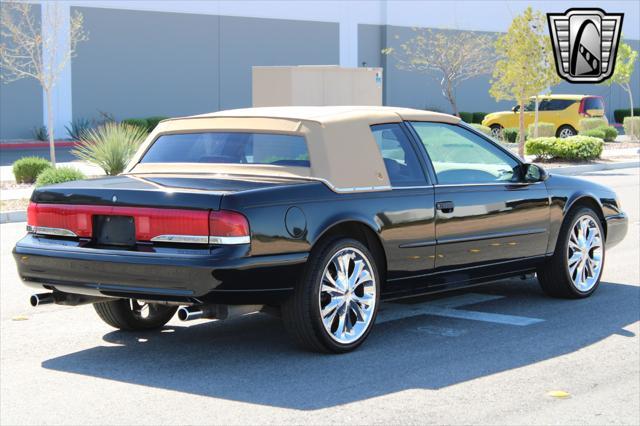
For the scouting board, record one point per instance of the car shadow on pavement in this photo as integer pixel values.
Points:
(252, 360)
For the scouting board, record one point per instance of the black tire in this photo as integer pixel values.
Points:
(125, 314)
(496, 130)
(554, 276)
(565, 129)
(301, 314)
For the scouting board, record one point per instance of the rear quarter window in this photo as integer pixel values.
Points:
(229, 148)
(593, 103)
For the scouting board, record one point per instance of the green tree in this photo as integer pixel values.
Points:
(548, 78)
(26, 53)
(625, 64)
(524, 64)
(450, 57)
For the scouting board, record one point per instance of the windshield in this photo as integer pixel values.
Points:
(229, 148)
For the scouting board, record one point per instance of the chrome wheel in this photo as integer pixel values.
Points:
(496, 132)
(566, 132)
(347, 296)
(585, 253)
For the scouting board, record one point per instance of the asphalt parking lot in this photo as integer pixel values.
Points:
(488, 355)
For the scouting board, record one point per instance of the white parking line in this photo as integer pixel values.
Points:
(447, 308)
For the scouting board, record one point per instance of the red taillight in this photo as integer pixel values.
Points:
(581, 110)
(152, 224)
(227, 227)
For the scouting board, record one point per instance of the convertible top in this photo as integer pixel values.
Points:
(342, 150)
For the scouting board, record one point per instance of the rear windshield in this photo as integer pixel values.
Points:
(229, 148)
(593, 103)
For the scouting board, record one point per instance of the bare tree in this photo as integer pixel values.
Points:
(449, 56)
(27, 51)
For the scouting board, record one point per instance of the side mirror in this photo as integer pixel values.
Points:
(533, 173)
(515, 108)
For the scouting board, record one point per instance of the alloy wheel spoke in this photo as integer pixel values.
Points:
(330, 318)
(365, 299)
(343, 262)
(342, 321)
(355, 275)
(574, 266)
(361, 315)
(575, 257)
(330, 309)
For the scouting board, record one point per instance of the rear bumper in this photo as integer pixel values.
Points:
(221, 275)
(616, 229)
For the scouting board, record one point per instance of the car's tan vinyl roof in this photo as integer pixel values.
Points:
(342, 150)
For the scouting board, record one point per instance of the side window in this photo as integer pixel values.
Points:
(544, 105)
(461, 157)
(559, 104)
(398, 154)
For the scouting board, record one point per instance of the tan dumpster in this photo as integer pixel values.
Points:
(316, 85)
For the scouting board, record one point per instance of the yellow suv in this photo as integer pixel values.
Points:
(563, 111)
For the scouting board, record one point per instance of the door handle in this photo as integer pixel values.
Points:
(445, 206)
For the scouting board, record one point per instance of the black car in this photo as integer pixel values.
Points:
(314, 213)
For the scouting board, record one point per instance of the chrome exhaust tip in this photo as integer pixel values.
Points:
(188, 313)
(41, 299)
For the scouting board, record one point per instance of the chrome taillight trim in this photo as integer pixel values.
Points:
(201, 239)
(44, 230)
(229, 240)
(186, 239)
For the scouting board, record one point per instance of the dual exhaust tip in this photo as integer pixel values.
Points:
(41, 299)
(185, 313)
(188, 313)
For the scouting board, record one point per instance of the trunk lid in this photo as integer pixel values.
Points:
(166, 191)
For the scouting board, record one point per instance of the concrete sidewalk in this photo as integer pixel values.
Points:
(15, 194)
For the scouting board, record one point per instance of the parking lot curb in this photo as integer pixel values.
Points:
(586, 168)
(13, 216)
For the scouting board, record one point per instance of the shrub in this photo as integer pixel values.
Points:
(484, 129)
(572, 148)
(620, 114)
(610, 133)
(77, 127)
(152, 122)
(467, 117)
(632, 127)
(139, 122)
(544, 130)
(148, 123)
(27, 169)
(510, 134)
(542, 148)
(594, 133)
(59, 175)
(592, 123)
(578, 148)
(478, 117)
(40, 133)
(110, 146)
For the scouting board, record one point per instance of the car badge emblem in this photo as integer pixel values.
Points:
(114, 199)
(585, 43)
